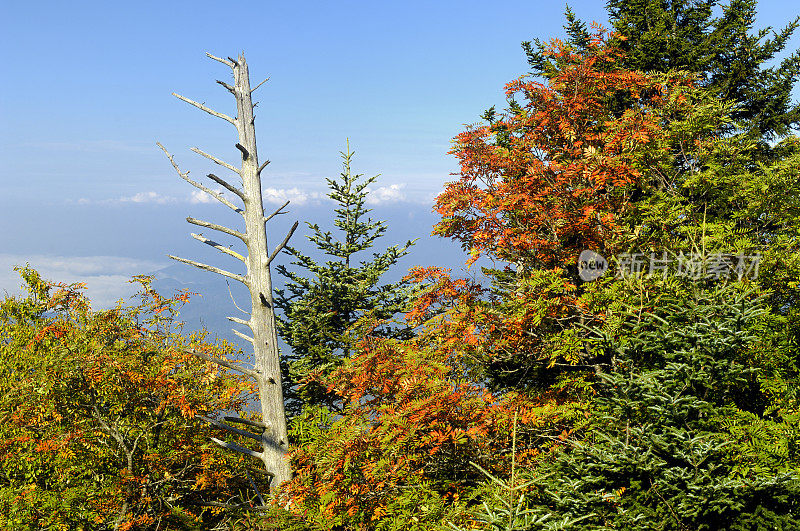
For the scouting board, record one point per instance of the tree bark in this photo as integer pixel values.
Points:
(262, 320)
(273, 439)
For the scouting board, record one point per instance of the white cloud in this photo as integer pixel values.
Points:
(199, 196)
(153, 198)
(148, 197)
(106, 277)
(386, 194)
(138, 198)
(279, 196)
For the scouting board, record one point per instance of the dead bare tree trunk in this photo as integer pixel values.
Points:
(273, 438)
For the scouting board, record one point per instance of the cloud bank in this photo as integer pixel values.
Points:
(106, 277)
(382, 195)
(386, 195)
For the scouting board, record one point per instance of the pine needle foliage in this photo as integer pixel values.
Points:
(662, 453)
(731, 57)
(322, 301)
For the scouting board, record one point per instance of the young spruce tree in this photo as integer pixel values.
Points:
(321, 301)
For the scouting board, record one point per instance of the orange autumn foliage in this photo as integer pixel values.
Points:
(99, 427)
(402, 449)
(558, 173)
(552, 176)
(561, 171)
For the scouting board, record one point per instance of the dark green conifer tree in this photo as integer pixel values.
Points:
(679, 437)
(322, 300)
(728, 54)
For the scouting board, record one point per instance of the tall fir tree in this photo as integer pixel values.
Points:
(322, 301)
(729, 55)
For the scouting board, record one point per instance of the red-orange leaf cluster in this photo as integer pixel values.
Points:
(101, 427)
(550, 177)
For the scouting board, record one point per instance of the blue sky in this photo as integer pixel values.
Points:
(85, 94)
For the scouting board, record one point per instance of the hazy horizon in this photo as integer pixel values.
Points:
(89, 197)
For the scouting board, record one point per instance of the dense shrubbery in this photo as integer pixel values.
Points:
(99, 427)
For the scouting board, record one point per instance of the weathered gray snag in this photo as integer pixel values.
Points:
(273, 439)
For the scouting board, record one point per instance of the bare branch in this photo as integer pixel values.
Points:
(230, 88)
(261, 168)
(224, 363)
(243, 336)
(185, 177)
(213, 269)
(248, 422)
(276, 212)
(234, 61)
(245, 153)
(282, 244)
(237, 431)
(214, 226)
(239, 321)
(221, 60)
(218, 247)
(216, 195)
(252, 484)
(226, 185)
(234, 300)
(215, 159)
(202, 107)
(236, 448)
(253, 90)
